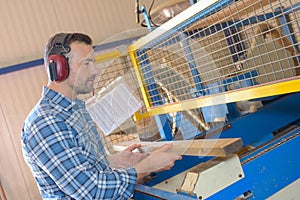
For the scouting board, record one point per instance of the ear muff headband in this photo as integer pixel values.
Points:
(57, 62)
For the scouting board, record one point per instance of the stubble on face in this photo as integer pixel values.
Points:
(82, 72)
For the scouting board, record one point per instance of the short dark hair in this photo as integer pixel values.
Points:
(69, 39)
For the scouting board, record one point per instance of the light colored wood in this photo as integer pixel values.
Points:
(28, 24)
(2, 193)
(201, 147)
(21, 91)
(189, 182)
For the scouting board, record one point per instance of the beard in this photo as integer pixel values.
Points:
(84, 87)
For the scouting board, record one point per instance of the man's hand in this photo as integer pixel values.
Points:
(126, 158)
(157, 161)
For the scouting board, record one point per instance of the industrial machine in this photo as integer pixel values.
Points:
(220, 69)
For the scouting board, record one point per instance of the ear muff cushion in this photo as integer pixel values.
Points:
(58, 67)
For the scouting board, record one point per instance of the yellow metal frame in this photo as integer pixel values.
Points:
(181, 17)
(201, 5)
(140, 81)
(271, 89)
(107, 56)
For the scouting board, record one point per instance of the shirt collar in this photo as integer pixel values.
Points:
(61, 100)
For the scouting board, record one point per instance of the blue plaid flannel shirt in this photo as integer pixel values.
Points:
(66, 156)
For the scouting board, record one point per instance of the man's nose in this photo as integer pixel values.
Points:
(94, 69)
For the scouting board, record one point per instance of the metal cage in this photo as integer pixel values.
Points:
(113, 63)
(214, 61)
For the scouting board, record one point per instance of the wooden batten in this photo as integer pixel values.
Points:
(201, 147)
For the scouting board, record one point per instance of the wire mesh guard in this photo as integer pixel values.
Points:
(215, 47)
(209, 49)
(114, 70)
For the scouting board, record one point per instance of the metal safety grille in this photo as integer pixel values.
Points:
(114, 64)
(212, 48)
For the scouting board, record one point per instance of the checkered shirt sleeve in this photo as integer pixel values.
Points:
(63, 167)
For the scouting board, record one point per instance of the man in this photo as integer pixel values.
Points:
(60, 141)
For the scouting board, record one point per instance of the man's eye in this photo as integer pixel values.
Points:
(86, 63)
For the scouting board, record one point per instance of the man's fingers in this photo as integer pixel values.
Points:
(133, 147)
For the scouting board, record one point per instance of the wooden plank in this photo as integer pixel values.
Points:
(202, 147)
(14, 106)
(2, 193)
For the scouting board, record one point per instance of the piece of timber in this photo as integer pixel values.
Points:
(199, 147)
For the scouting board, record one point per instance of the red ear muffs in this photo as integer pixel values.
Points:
(58, 67)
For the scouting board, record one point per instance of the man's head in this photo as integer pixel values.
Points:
(69, 59)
